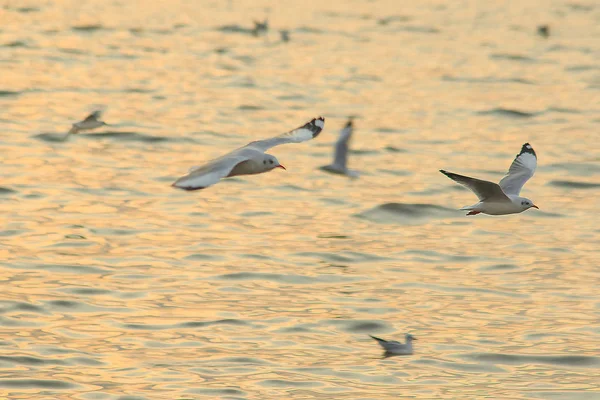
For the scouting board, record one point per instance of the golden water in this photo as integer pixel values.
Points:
(116, 286)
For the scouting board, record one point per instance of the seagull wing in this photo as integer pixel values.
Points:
(483, 189)
(521, 169)
(382, 342)
(340, 158)
(212, 172)
(93, 116)
(306, 132)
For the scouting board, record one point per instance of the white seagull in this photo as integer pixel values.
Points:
(92, 121)
(393, 347)
(248, 160)
(340, 158)
(503, 198)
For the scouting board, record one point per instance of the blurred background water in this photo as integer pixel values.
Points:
(116, 286)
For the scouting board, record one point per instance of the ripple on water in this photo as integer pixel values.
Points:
(499, 268)
(37, 384)
(574, 184)
(7, 93)
(4, 190)
(513, 359)
(281, 383)
(87, 28)
(73, 269)
(36, 361)
(356, 376)
(127, 136)
(11, 306)
(214, 393)
(581, 169)
(360, 326)
(406, 213)
(54, 137)
(508, 113)
(283, 278)
(489, 79)
(575, 394)
(193, 324)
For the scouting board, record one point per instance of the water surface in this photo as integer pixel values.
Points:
(117, 286)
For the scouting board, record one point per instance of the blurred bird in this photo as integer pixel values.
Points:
(285, 35)
(543, 30)
(340, 158)
(394, 348)
(92, 121)
(260, 27)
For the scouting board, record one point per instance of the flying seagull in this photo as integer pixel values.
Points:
(92, 121)
(248, 160)
(340, 158)
(393, 347)
(260, 27)
(502, 198)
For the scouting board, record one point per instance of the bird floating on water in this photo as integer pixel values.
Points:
(394, 348)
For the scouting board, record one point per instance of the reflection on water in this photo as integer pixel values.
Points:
(118, 287)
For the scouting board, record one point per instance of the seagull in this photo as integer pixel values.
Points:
(260, 27)
(543, 30)
(502, 198)
(285, 35)
(90, 122)
(393, 347)
(340, 158)
(248, 160)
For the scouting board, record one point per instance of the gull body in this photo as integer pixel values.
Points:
(502, 198)
(340, 157)
(393, 347)
(248, 160)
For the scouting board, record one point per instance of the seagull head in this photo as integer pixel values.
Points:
(526, 204)
(409, 338)
(270, 162)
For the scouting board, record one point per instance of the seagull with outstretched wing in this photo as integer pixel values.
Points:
(502, 198)
(340, 157)
(248, 160)
(92, 121)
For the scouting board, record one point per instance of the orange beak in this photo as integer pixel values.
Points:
(535, 206)
(280, 166)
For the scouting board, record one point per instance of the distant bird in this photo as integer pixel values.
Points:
(285, 35)
(503, 198)
(340, 157)
(543, 30)
(248, 160)
(90, 122)
(394, 348)
(260, 27)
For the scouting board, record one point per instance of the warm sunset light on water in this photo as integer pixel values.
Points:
(117, 286)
